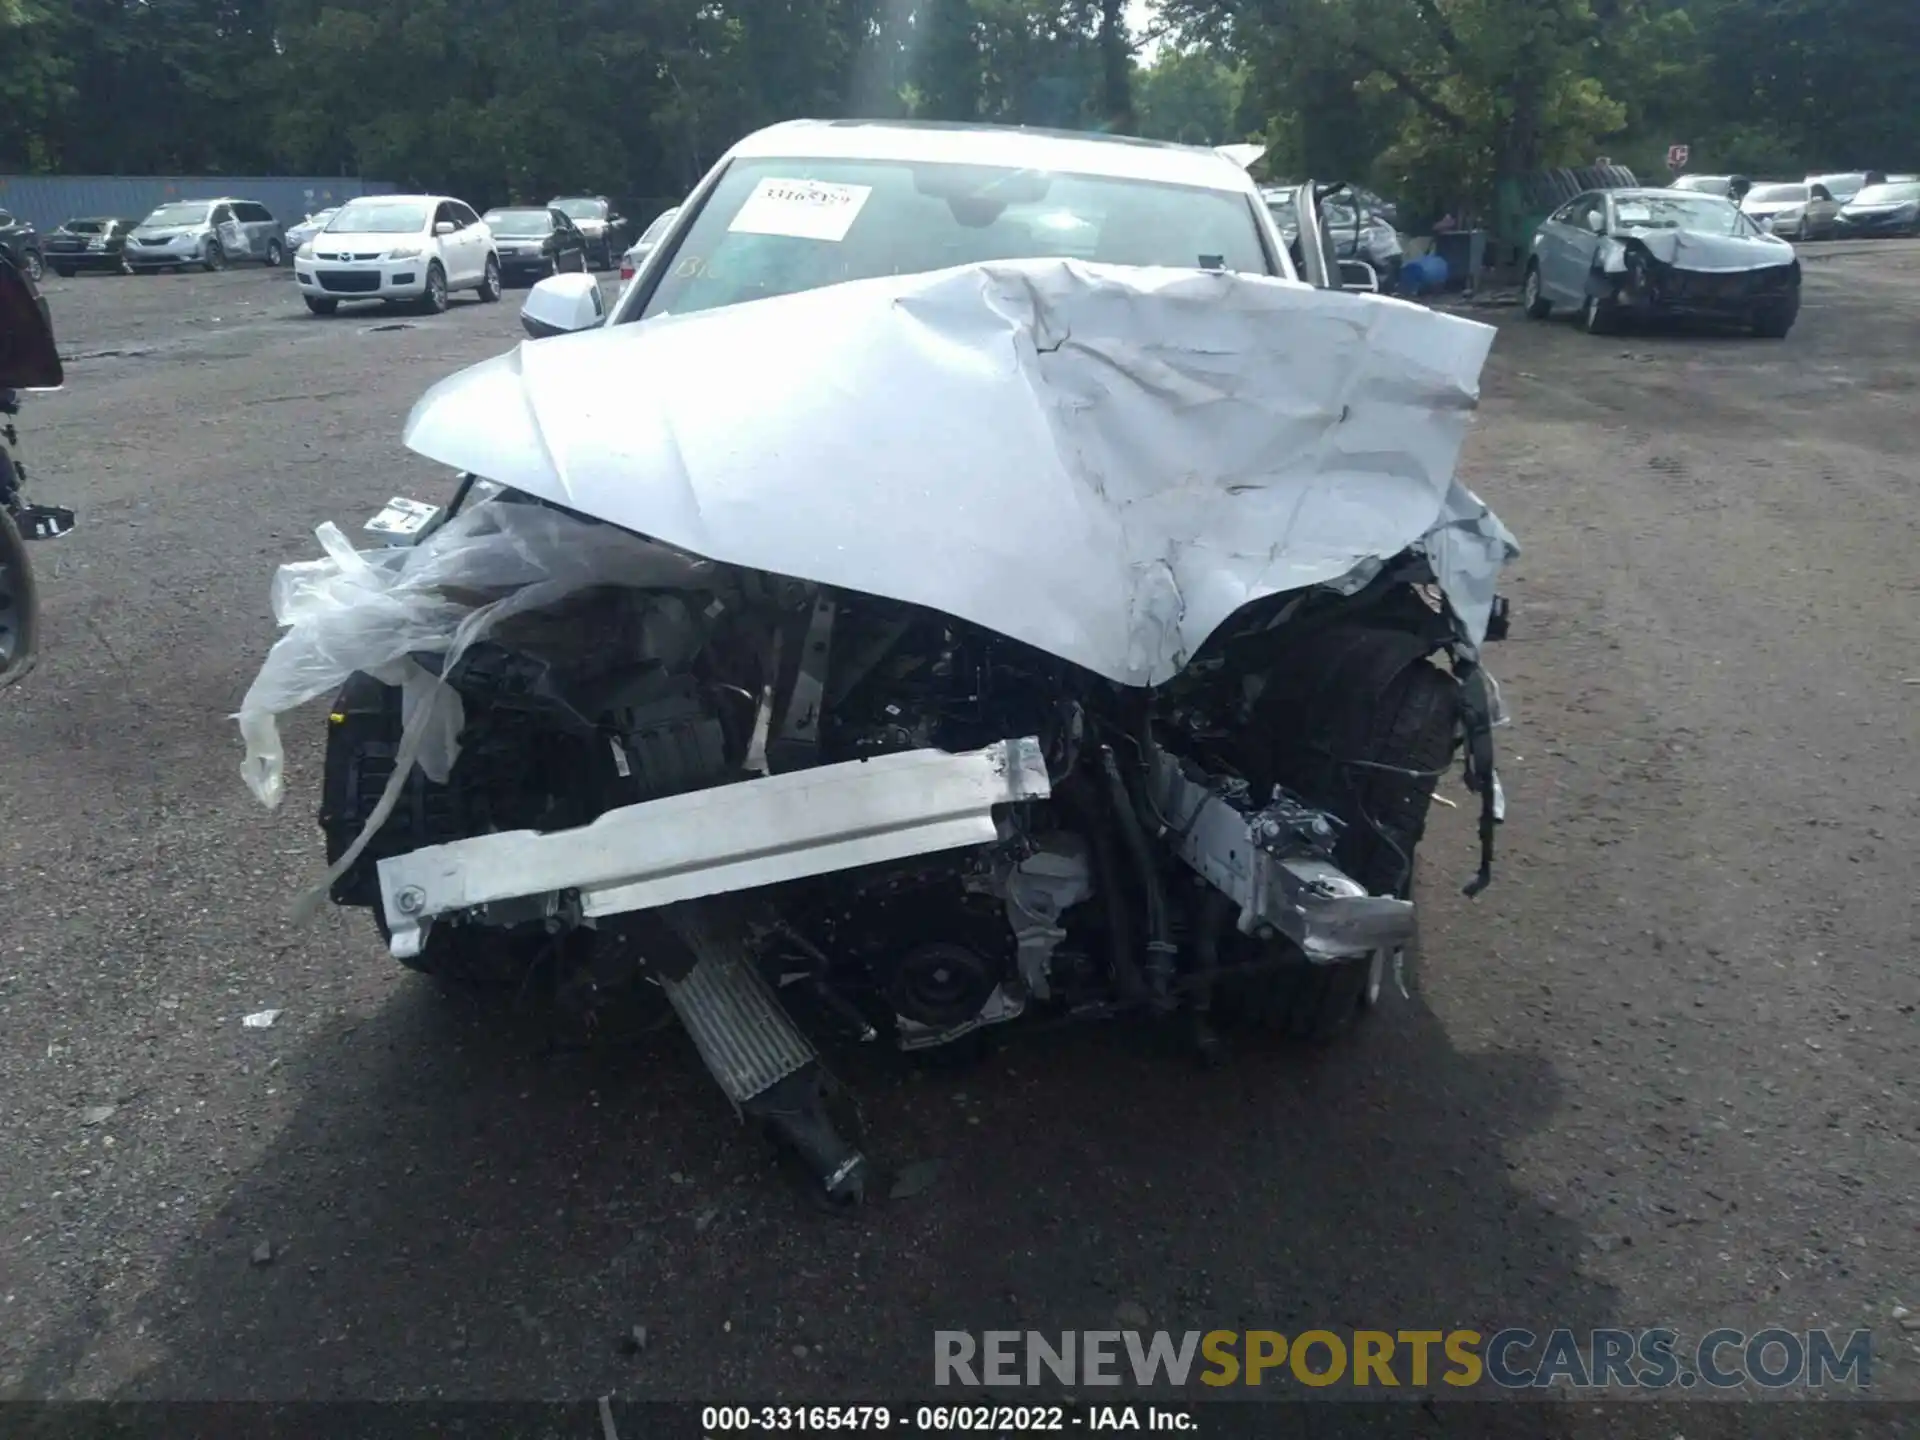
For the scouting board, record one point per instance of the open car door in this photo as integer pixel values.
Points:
(1316, 268)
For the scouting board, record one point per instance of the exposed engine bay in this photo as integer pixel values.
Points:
(1169, 754)
(1239, 840)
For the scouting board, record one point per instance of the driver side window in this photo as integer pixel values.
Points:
(222, 214)
(443, 213)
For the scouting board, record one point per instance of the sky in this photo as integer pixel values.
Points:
(1140, 15)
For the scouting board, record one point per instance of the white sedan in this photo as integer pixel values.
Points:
(417, 248)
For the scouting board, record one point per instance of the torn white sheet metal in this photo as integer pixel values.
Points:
(369, 610)
(1714, 254)
(1102, 462)
(1242, 155)
(733, 837)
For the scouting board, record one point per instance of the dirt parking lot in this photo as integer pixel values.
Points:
(1661, 1074)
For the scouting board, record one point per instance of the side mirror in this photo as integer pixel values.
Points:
(444, 227)
(1359, 275)
(563, 305)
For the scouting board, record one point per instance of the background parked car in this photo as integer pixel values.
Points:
(298, 235)
(1843, 185)
(649, 239)
(1889, 209)
(595, 218)
(20, 243)
(1617, 255)
(97, 243)
(1793, 211)
(1359, 233)
(398, 247)
(1705, 184)
(211, 234)
(535, 242)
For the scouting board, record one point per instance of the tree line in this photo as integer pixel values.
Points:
(501, 100)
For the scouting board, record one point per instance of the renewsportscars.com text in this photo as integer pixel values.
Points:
(1511, 1359)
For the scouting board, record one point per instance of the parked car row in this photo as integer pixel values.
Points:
(416, 248)
(1847, 204)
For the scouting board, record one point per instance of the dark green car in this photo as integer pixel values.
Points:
(534, 242)
(98, 243)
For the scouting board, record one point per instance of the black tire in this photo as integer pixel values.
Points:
(490, 286)
(65, 272)
(276, 254)
(320, 306)
(1533, 298)
(19, 604)
(33, 265)
(215, 258)
(1352, 694)
(473, 957)
(433, 300)
(1597, 316)
(1774, 322)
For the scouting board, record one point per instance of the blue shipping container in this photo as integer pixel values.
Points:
(48, 200)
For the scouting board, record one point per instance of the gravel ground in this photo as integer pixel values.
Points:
(1659, 1074)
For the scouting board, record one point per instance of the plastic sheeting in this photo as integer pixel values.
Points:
(372, 610)
(1102, 462)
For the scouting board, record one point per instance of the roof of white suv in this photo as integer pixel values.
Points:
(1068, 151)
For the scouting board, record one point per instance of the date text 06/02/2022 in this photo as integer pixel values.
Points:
(717, 1420)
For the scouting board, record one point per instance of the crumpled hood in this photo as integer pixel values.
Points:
(1697, 250)
(1102, 462)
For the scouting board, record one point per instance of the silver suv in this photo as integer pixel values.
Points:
(211, 234)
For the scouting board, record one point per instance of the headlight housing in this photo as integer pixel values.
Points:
(305, 252)
(404, 252)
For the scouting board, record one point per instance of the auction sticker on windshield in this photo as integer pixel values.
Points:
(803, 209)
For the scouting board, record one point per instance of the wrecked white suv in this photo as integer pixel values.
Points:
(969, 576)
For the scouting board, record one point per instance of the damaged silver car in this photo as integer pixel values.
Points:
(969, 578)
(1619, 256)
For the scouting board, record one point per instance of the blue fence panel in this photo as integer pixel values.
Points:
(47, 200)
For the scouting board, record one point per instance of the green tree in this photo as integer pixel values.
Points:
(1192, 95)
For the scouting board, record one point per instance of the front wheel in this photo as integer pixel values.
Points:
(433, 300)
(490, 282)
(1533, 297)
(34, 266)
(1774, 321)
(276, 254)
(319, 306)
(1597, 316)
(215, 258)
(19, 604)
(1400, 727)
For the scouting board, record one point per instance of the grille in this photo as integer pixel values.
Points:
(349, 282)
